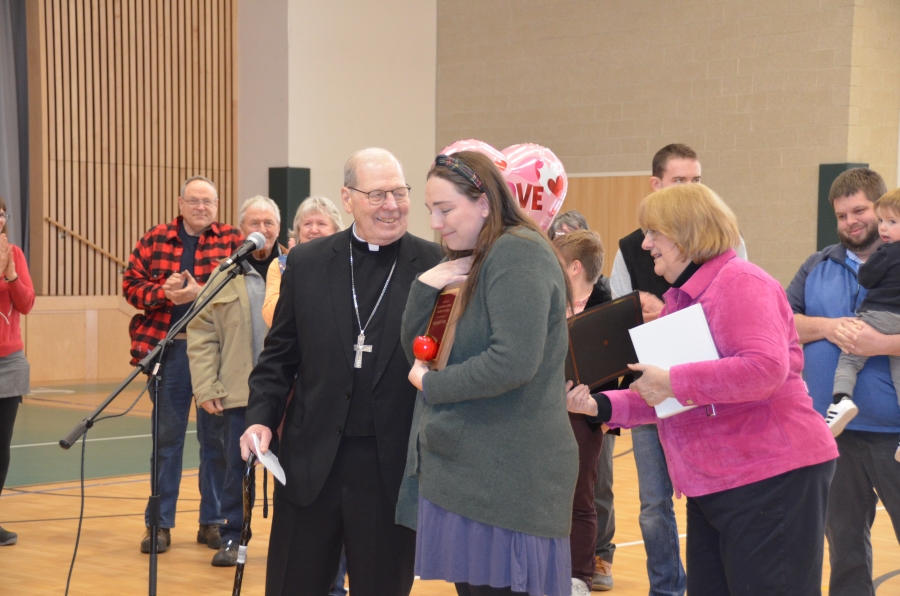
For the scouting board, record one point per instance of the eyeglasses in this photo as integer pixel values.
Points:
(5, 216)
(197, 202)
(650, 234)
(377, 197)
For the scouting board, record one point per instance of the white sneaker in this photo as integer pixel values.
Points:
(840, 414)
(579, 588)
(897, 454)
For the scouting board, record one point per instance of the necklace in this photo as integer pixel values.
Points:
(360, 346)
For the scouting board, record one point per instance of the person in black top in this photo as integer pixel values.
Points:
(604, 548)
(880, 275)
(336, 331)
(582, 253)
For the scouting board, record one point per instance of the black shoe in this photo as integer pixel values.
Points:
(164, 539)
(8, 538)
(227, 555)
(209, 535)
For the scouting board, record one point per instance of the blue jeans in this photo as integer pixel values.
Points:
(233, 492)
(657, 518)
(175, 398)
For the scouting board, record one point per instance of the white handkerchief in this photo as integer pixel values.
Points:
(269, 460)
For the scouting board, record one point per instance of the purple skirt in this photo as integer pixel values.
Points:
(460, 550)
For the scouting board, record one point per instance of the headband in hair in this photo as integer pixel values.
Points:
(453, 164)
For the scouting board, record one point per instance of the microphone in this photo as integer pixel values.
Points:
(254, 242)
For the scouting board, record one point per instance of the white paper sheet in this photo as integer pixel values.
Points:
(269, 461)
(678, 338)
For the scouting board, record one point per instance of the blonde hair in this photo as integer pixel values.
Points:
(889, 201)
(585, 247)
(316, 204)
(692, 216)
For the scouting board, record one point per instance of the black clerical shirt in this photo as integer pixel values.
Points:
(370, 270)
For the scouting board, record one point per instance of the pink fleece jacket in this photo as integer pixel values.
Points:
(764, 423)
(16, 298)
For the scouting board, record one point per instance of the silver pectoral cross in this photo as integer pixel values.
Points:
(359, 348)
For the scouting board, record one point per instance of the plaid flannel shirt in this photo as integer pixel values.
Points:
(156, 257)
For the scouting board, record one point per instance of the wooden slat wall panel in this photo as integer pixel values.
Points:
(609, 203)
(137, 95)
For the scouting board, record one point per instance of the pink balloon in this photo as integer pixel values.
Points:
(537, 180)
(479, 146)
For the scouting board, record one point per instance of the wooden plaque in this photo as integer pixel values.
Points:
(442, 326)
(600, 347)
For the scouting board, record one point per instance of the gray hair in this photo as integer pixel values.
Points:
(201, 179)
(364, 155)
(571, 219)
(321, 205)
(259, 201)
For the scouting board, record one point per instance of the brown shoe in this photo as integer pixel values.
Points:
(209, 535)
(602, 580)
(164, 539)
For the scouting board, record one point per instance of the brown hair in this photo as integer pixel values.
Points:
(853, 181)
(889, 201)
(692, 216)
(3, 207)
(585, 247)
(504, 213)
(673, 151)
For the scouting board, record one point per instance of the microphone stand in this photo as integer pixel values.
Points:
(151, 365)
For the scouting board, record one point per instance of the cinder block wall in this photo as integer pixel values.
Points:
(765, 91)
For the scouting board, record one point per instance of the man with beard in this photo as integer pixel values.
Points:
(824, 295)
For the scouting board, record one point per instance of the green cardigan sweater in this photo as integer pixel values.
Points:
(491, 438)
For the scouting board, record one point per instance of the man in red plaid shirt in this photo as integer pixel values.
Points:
(165, 273)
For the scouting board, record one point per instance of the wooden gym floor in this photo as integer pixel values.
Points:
(41, 503)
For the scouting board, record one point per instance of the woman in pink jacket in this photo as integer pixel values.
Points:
(16, 297)
(753, 458)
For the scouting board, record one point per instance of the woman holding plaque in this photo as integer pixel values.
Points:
(491, 451)
(753, 457)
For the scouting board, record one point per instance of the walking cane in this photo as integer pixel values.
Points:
(248, 482)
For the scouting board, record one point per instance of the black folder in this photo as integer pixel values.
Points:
(600, 347)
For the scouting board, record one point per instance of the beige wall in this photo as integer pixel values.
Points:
(262, 92)
(765, 91)
(875, 87)
(77, 337)
(351, 75)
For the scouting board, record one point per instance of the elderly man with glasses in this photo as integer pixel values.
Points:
(165, 273)
(336, 332)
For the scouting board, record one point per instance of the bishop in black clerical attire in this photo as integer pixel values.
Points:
(343, 446)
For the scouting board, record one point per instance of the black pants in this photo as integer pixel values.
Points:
(353, 510)
(866, 468)
(9, 406)
(763, 538)
(470, 590)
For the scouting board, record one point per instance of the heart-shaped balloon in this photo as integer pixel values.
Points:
(479, 146)
(537, 180)
(534, 174)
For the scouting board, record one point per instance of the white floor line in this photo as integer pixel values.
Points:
(636, 542)
(92, 440)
